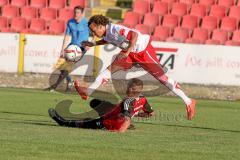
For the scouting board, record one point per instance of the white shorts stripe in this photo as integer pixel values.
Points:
(152, 58)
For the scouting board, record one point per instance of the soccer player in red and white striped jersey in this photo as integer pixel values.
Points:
(136, 49)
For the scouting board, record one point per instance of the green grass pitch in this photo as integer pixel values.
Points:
(27, 133)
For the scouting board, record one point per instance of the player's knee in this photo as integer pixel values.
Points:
(171, 84)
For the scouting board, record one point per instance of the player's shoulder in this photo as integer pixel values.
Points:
(143, 98)
(128, 100)
(115, 25)
(70, 21)
(84, 20)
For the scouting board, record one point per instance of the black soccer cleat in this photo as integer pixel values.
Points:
(56, 117)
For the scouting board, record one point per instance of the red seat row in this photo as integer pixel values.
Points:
(144, 6)
(190, 22)
(56, 4)
(198, 36)
(29, 12)
(36, 26)
(182, 20)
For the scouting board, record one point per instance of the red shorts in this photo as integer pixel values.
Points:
(113, 124)
(147, 59)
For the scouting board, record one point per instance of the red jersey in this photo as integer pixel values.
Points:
(128, 107)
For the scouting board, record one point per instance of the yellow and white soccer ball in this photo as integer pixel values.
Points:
(73, 53)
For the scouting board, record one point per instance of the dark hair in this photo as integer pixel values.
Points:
(98, 20)
(135, 81)
(78, 7)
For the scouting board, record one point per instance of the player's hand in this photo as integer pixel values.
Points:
(122, 55)
(87, 48)
(62, 54)
(88, 44)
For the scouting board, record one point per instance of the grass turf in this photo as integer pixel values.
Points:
(26, 131)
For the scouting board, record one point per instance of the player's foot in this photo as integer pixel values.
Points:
(81, 90)
(50, 89)
(191, 109)
(56, 117)
(70, 84)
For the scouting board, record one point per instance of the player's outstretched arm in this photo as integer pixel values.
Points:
(147, 111)
(91, 44)
(66, 42)
(132, 43)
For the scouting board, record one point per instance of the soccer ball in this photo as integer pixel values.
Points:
(73, 53)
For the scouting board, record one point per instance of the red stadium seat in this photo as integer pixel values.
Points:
(226, 3)
(65, 14)
(151, 20)
(57, 27)
(28, 31)
(189, 22)
(150, 1)
(187, 2)
(170, 21)
(170, 2)
(236, 36)
(10, 11)
(48, 14)
(131, 19)
(161, 33)
(74, 3)
(200, 35)
(217, 11)
(207, 3)
(10, 30)
(18, 24)
(28, 12)
(198, 10)
(192, 41)
(160, 8)
(37, 25)
(46, 31)
(144, 29)
(57, 4)
(179, 9)
(219, 35)
(38, 3)
(209, 23)
(212, 42)
(179, 35)
(234, 12)
(232, 43)
(229, 24)
(3, 23)
(19, 3)
(141, 7)
(4, 2)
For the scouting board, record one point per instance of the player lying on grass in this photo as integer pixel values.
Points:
(119, 117)
(136, 49)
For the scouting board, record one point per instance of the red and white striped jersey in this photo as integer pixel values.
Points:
(117, 34)
(130, 107)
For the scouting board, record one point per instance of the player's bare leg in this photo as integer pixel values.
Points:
(157, 71)
(101, 79)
